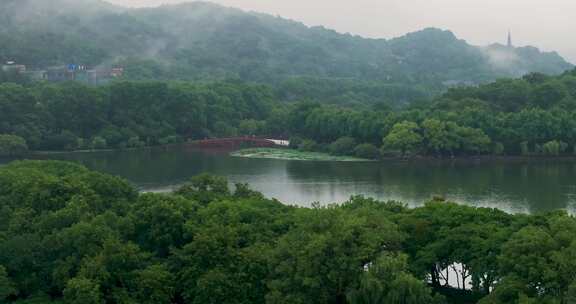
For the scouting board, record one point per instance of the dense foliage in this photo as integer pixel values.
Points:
(12, 145)
(68, 234)
(129, 114)
(531, 116)
(206, 41)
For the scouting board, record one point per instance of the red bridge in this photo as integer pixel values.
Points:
(237, 142)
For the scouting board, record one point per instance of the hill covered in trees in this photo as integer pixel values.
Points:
(205, 41)
(70, 235)
(328, 91)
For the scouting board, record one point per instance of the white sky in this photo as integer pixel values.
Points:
(547, 24)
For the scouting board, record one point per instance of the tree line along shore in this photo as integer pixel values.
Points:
(530, 116)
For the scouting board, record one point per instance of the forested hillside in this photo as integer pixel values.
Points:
(69, 235)
(206, 41)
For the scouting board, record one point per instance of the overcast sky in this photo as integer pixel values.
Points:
(547, 24)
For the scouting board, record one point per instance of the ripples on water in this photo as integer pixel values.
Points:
(518, 187)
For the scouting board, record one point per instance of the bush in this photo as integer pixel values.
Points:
(99, 143)
(498, 149)
(12, 145)
(296, 141)
(307, 145)
(343, 146)
(525, 150)
(563, 147)
(368, 151)
(554, 148)
(83, 144)
(135, 142)
(66, 140)
(113, 136)
(169, 140)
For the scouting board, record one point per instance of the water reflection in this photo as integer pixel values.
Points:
(535, 186)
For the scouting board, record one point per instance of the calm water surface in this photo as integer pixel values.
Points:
(527, 187)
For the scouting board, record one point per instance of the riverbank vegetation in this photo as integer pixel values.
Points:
(72, 116)
(290, 154)
(70, 235)
(12, 145)
(531, 116)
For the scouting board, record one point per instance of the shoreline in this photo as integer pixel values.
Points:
(320, 156)
(482, 158)
(290, 154)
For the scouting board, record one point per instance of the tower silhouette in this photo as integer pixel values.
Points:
(510, 45)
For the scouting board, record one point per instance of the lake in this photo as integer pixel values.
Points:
(514, 186)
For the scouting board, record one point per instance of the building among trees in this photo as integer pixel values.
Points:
(11, 66)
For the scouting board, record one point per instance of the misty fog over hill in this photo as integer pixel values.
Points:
(201, 40)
